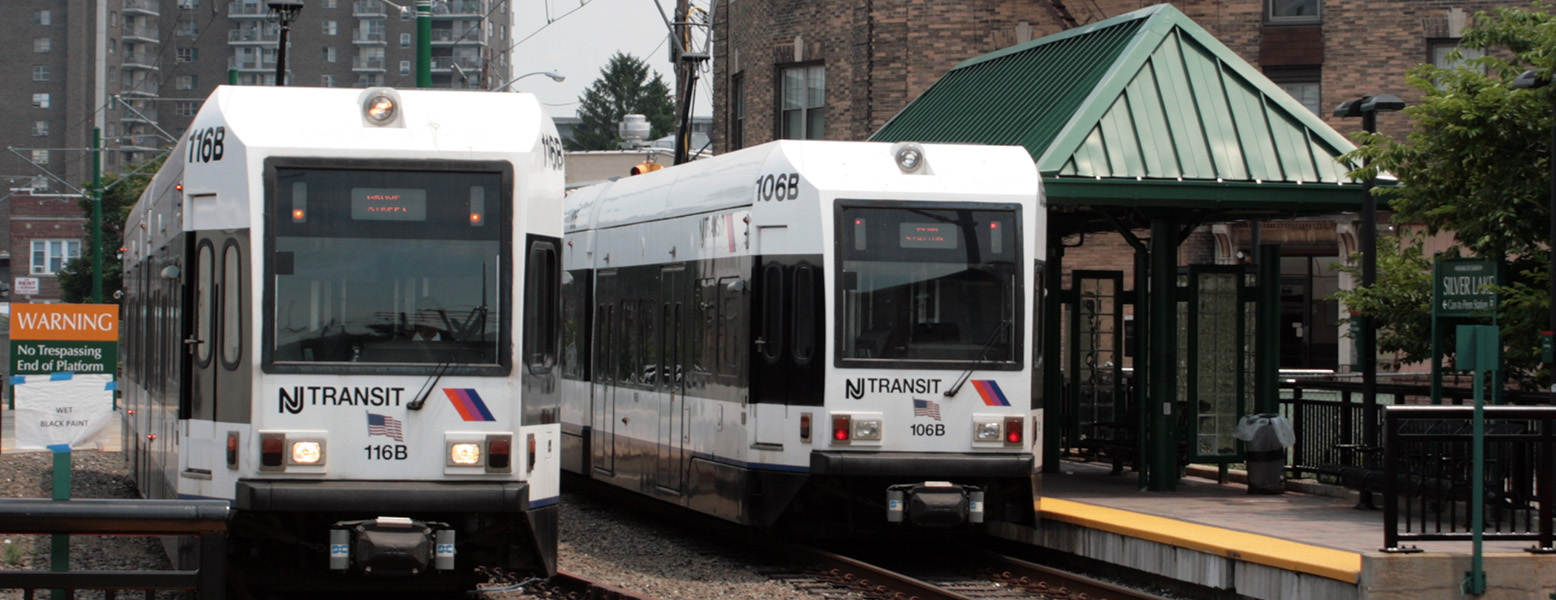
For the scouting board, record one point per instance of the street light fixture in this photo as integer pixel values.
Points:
(285, 11)
(555, 76)
(1529, 80)
(1367, 107)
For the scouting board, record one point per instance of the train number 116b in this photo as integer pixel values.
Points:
(387, 452)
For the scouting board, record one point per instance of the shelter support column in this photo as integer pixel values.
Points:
(1162, 367)
(1266, 358)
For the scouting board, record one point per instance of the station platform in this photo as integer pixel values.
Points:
(1307, 543)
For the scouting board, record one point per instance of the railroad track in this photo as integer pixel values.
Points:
(563, 585)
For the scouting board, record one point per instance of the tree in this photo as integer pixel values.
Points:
(75, 278)
(1476, 163)
(623, 88)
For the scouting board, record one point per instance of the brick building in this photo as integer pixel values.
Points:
(46, 231)
(841, 70)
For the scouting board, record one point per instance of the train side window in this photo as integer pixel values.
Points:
(731, 315)
(1039, 291)
(540, 304)
(232, 306)
(205, 269)
(648, 344)
(804, 314)
(575, 326)
(771, 342)
(626, 370)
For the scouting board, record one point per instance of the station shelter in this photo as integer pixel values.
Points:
(1145, 125)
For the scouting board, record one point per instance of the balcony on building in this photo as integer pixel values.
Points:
(133, 118)
(252, 64)
(256, 35)
(248, 10)
(140, 61)
(368, 8)
(445, 64)
(450, 37)
(148, 8)
(460, 9)
(142, 33)
(368, 64)
(371, 38)
(143, 88)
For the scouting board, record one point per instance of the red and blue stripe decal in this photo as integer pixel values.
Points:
(991, 392)
(469, 404)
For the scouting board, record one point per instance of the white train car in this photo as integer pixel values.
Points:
(807, 334)
(339, 314)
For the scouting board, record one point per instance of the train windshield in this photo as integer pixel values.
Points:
(386, 268)
(928, 284)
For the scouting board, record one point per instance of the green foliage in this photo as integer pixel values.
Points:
(1403, 288)
(1476, 163)
(623, 88)
(75, 279)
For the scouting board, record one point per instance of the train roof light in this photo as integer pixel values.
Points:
(381, 107)
(909, 156)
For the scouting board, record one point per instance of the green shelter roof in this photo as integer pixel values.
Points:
(1143, 110)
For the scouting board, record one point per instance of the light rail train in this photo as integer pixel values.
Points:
(813, 336)
(340, 317)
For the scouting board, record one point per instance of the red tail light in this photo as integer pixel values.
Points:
(529, 448)
(842, 426)
(1013, 430)
(499, 453)
(232, 449)
(270, 450)
(805, 427)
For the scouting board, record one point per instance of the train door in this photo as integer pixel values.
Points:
(769, 379)
(602, 417)
(199, 340)
(673, 288)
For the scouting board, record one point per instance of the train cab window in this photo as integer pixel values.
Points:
(540, 307)
(771, 340)
(388, 270)
(205, 273)
(929, 285)
(232, 307)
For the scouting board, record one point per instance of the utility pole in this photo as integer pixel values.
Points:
(687, 63)
(97, 215)
(286, 11)
(424, 43)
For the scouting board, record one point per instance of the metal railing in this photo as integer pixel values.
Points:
(1428, 470)
(207, 519)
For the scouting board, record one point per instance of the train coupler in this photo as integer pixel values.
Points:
(391, 546)
(934, 504)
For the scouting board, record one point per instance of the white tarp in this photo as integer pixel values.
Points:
(63, 408)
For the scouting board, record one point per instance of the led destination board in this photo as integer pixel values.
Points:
(384, 204)
(936, 236)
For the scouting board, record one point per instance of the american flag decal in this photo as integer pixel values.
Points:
(384, 425)
(926, 408)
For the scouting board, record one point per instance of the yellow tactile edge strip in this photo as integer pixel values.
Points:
(1259, 549)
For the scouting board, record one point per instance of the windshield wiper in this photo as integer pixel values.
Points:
(460, 335)
(982, 357)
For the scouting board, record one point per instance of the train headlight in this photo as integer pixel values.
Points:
(381, 107)
(867, 429)
(307, 452)
(909, 156)
(986, 431)
(464, 454)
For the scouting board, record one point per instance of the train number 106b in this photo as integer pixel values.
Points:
(928, 429)
(387, 452)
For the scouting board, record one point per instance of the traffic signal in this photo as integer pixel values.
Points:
(644, 167)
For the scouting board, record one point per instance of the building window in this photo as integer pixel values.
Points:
(187, 27)
(186, 55)
(40, 128)
(804, 103)
(405, 40)
(329, 4)
(330, 28)
(189, 4)
(326, 81)
(40, 100)
(40, 73)
(1440, 49)
(40, 45)
(1292, 11)
(1303, 85)
(40, 17)
(405, 67)
(49, 256)
(40, 156)
(184, 82)
(113, 18)
(330, 55)
(185, 108)
(737, 112)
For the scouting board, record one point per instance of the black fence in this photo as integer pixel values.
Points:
(1428, 465)
(207, 519)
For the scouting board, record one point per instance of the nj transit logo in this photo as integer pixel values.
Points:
(991, 393)
(469, 404)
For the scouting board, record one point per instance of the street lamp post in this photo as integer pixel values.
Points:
(555, 76)
(1528, 80)
(285, 11)
(1367, 107)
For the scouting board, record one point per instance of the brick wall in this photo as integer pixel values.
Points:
(42, 217)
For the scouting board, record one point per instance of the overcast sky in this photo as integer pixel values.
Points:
(577, 38)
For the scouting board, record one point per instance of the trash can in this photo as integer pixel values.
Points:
(1267, 436)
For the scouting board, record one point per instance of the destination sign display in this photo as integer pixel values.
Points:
(1459, 287)
(936, 236)
(384, 204)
